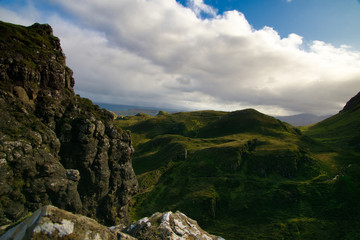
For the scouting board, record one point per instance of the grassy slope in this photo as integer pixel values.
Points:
(341, 130)
(242, 175)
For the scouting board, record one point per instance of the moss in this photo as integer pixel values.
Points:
(28, 43)
(18, 183)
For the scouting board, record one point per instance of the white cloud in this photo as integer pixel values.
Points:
(162, 54)
(199, 7)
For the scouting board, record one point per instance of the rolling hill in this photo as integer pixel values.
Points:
(245, 175)
(341, 130)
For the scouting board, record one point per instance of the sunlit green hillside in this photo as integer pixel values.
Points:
(341, 130)
(243, 175)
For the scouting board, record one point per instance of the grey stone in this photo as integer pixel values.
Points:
(73, 174)
(50, 222)
(169, 225)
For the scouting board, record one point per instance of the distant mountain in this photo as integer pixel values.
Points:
(131, 110)
(303, 119)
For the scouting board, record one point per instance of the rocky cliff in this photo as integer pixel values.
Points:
(56, 147)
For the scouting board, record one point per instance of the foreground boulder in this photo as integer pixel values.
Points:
(56, 147)
(169, 225)
(50, 222)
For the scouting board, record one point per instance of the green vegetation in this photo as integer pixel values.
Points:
(341, 130)
(28, 42)
(245, 175)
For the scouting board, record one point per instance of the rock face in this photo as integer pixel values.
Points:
(55, 147)
(169, 225)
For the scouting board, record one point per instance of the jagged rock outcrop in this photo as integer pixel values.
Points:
(353, 104)
(169, 225)
(56, 147)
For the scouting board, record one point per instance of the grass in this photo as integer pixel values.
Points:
(341, 130)
(243, 175)
(28, 41)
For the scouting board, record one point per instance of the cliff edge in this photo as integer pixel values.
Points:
(56, 147)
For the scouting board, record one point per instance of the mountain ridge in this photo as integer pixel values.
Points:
(303, 119)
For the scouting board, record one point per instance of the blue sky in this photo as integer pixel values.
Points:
(280, 57)
(334, 21)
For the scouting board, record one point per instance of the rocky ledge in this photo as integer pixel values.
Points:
(50, 222)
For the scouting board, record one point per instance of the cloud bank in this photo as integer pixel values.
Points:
(160, 53)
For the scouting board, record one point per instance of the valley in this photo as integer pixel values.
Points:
(245, 175)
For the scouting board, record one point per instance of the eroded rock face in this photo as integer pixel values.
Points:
(169, 225)
(55, 147)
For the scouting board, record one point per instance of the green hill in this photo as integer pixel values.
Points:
(343, 129)
(248, 120)
(243, 175)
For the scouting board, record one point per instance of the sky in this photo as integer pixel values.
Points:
(280, 57)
